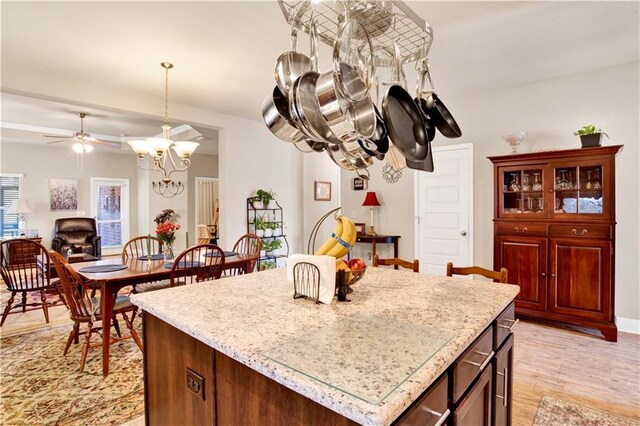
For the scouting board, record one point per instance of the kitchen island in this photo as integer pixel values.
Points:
(241, 350)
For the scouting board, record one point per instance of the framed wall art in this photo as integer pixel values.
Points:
(360, 184)
(322, 191)
(63, 195)
(360, 228)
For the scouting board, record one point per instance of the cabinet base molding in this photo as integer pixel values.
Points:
(609, 330)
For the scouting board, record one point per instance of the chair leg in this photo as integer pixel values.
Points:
(132, 330)
(8, 308)
(72, 336)
(116, 326)
(45, 307)
(85, 346)
(24, 302)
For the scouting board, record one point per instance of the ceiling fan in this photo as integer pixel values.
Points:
(83, 141)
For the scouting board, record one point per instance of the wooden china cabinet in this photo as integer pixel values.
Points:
(554, 231)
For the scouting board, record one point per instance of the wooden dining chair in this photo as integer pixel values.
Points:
(84, 309)
(203, 262)
(249, 244)
(415, 265)
(24, 267)
(500, 276)
(137, 247)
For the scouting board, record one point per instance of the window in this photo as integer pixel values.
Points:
(10, 190)
(110, 207)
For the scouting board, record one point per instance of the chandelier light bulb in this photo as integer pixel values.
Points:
(184, 149)
(159, 145)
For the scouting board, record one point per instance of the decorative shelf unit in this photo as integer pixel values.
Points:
(272, 216)
(554, 231)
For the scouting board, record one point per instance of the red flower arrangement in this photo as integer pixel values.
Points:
(167, 232)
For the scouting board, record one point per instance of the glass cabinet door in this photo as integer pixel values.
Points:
(522, 191)
(578, 190)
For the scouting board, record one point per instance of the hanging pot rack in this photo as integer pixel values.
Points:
(384, 21)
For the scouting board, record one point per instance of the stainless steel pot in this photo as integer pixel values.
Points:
(291, 65)
(303, 105)
(275, 113)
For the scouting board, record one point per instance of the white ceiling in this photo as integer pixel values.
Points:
(224, 52)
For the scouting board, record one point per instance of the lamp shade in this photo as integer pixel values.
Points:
(371, 200)
(20, 206)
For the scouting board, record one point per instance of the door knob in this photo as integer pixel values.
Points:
(463, 233)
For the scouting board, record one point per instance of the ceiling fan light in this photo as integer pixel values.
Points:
(159, 145)
(141, 147)
(77, 147)
(185, 148)
(88, 148)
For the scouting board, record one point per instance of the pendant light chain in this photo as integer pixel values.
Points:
(166, 95)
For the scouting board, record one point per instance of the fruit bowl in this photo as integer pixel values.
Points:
(356, 275)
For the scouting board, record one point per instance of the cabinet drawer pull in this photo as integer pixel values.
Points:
(553, 275)
(575, 232)
(484, 363)
(523, 229)
(442, 417)
(504, 396)
(544, 274)
(510, 328)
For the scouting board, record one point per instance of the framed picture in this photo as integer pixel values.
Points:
(322, 191)
(360, 228)
(63, 195)
(360, 184)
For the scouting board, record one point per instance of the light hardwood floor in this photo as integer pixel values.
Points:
(552, 361)
(575, 367)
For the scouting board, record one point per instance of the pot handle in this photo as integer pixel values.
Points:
(313, 41)
(366, 176)
(424, 72)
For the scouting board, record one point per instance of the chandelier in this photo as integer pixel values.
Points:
(159, 149)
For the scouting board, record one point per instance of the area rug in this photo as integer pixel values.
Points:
(40, 386)
(556, 412)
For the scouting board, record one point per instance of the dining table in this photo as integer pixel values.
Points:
(137, 272)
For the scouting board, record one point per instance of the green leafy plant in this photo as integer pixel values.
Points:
(271, 245)
(260, 224)
(589, 130)
(267, 264)
(265, 196)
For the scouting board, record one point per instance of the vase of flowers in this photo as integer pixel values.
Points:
(166, 231)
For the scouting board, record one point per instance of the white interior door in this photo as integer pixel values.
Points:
(110, 208)
(445, 210)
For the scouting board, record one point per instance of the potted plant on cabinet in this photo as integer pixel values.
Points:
(265, 196)
(267, 264)
(590, 136)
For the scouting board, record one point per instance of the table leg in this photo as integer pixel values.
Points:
(106, 309)
(373, 249)
(395, 250)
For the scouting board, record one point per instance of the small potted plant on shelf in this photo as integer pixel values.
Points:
(590, 136)
(277, 229)
(267, 264)
(259, 226)
(265, 196)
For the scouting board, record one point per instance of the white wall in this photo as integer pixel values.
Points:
(318, 167)
(550, 111)
(39, 163)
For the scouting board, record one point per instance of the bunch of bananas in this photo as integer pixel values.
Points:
(341, 240)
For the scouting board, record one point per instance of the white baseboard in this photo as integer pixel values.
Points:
(628, 325)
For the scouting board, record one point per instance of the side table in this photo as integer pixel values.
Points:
(379, 239)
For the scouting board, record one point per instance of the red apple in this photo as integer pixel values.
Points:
(356, 263)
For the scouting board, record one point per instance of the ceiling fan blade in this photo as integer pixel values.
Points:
(61, 140)
(106, 143)
(54, 136)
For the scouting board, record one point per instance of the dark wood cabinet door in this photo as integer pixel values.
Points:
(580, 278)
(475, 407)
(503, 384)
(525, 259)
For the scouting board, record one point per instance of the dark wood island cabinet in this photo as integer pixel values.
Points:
(554, 230)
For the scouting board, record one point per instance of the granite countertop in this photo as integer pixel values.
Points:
(255, 320)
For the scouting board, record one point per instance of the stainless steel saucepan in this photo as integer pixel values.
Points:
(292, 64)
(275, 113)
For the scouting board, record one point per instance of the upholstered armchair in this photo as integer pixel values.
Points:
(78, 234)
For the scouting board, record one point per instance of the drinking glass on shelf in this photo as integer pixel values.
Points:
(596, 180)
(526, 186)
(515, 182)
(528, 204)
(537, 183)
(589, 182)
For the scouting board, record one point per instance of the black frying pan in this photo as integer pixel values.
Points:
(425, 165)
(442, 118)
(429, 127)
(405, 124)
(378, 145)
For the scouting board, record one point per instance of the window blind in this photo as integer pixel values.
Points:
(10, 189)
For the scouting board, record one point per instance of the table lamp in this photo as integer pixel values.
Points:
(371, 201)
(21, 208)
